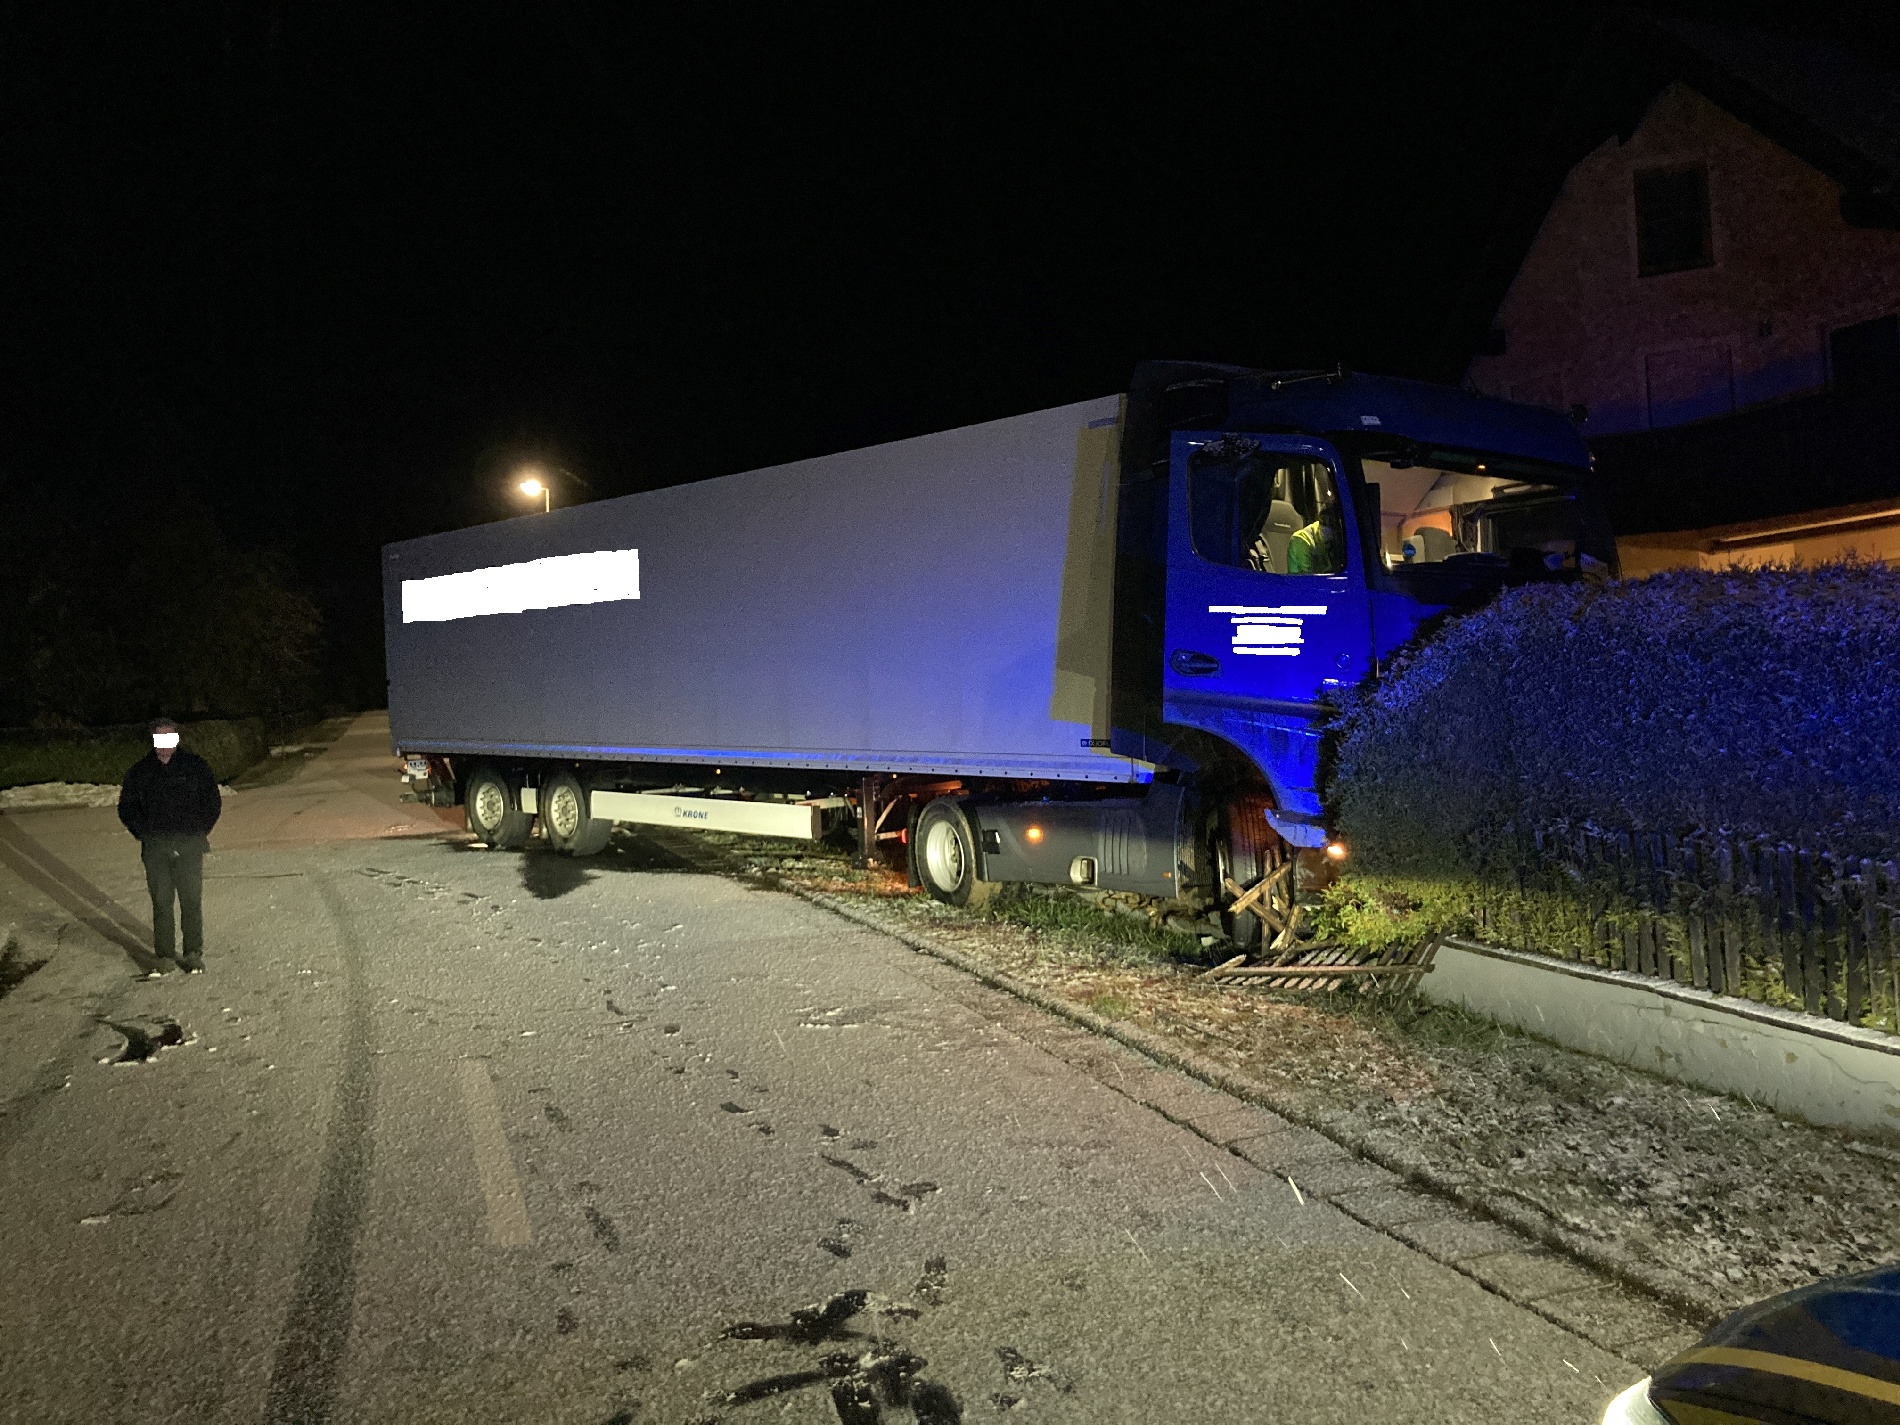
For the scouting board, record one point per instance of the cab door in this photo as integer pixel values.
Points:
(1267, 604)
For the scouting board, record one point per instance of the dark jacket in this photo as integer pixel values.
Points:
(176, 798)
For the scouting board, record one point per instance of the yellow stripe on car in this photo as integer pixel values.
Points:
(1768, 1363)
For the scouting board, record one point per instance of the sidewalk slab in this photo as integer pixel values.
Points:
(1329, 1177)
(1530, 1275)
(1635, 1329)
(1387, 1206)
(1454, 1238)
(1228, 1125)
(1176, 1095)
(1289, 1147)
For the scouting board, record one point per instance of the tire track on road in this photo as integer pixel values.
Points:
(316, 1331)
(92, 907)
(98, 912)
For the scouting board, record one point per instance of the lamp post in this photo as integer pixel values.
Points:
(536, 480)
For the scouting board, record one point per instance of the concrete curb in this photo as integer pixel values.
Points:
(1672, 1289)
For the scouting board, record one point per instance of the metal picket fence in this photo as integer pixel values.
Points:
(1795, 926)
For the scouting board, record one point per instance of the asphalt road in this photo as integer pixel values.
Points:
(457, 1135)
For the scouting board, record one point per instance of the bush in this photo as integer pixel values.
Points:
(105, 754)
(1760, 702)
(114, 612)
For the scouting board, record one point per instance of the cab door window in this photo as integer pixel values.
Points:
(1269, 511)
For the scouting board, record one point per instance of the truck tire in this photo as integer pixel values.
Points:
(565, 820)
(946, 856)
(1245, 849)
(494, 810)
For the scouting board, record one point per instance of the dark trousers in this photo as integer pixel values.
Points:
(174, 866)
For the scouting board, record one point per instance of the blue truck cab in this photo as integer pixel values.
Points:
(1298, 528)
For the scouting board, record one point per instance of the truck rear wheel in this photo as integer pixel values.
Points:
(565, 818)
(946, 856)
(494, 810)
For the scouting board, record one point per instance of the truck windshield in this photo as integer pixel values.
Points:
(1440, 519)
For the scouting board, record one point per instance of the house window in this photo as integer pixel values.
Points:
(1672, 221)
(1864, 359)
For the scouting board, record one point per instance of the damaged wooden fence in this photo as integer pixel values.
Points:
(1290, 963)
(1328, 967)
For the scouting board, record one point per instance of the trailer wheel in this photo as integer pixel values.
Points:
(494, 811)
(946, 856)
(565, 820)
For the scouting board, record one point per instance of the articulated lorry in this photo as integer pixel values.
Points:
(1090, 646)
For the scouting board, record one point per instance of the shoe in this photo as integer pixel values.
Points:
(193, 967)
(159, 969)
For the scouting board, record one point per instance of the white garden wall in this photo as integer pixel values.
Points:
(1832, 1074)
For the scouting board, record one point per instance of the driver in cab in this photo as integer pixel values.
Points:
(1320, 547)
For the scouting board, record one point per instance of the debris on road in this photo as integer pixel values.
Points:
(142, 1041)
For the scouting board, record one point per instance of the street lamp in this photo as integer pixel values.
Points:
(538, 480)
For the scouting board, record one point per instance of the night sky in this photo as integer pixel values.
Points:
(336, 272)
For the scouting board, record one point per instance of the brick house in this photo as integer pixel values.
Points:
(1713, 291)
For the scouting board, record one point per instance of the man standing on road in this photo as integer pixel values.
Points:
(170, 801)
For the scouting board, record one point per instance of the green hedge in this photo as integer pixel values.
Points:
(1761, 703)
(105, 754)
(1575, 768)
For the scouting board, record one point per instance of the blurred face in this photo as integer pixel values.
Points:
(165, 742)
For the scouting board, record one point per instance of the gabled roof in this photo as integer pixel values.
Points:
(1824, 103)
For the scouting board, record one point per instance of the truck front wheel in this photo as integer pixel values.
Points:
(565, 820)
(946, 856)
(494, 811)
(1245, 848)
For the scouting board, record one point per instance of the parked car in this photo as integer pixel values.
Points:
(1826, 1354)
